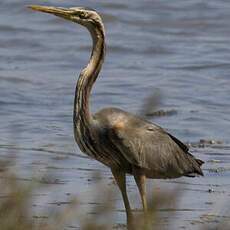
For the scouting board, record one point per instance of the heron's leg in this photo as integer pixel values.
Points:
(140, 179)
(121, 182)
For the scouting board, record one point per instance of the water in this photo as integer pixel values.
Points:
(179, 47)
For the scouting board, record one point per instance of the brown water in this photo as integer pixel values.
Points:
(179, 47)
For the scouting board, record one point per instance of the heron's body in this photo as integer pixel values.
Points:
(122, 141)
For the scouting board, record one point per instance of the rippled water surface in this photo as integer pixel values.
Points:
(178, 47)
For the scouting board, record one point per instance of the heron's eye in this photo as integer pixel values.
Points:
(81, 15)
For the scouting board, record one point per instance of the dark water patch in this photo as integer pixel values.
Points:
(200, 67)
(204, 143)
(201, 184)
(17, 178)
(59, 158)
(16, 80)
(115, 6)
(43, 150)
(215, 161)
(39, 163)
(60, 203)
(90, 169)
(180, 210)
(216, 153)
(109, 18)
(120, 84)
(161, 113)
(52, 31)
(157, 50)
(204, 190)
(85, 48)
(219, 169)
(133, 66)
(106, 93)
(221, 147)
(121, 49)
(57, 168)
(52, 181)
(16, 103)
(73, 168)
(120, 226)
(14, 29)
(40, 217)
(20, 43)
(19, 58)
(72, 227)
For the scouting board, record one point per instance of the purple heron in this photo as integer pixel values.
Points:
(126, 143)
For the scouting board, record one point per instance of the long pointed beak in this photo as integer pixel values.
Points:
(58, 11)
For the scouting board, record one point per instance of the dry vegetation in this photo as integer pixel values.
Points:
(16, 200)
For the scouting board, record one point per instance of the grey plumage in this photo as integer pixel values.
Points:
(144, 144)
(122, 141)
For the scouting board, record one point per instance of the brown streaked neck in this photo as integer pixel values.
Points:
(88, 76)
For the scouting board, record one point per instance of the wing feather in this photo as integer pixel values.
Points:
(146, 145)
(152, 148)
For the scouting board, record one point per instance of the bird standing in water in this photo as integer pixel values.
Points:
(127, 144)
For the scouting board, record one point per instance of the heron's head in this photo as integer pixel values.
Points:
(83, 16)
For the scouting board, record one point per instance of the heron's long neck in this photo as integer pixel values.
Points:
(88, 77)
